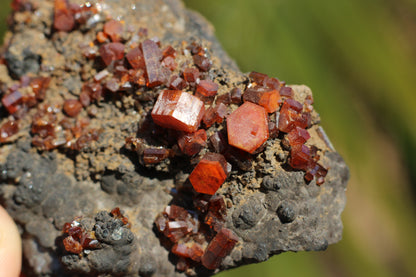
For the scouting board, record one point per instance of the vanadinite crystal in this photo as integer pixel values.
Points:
(291, 115)
(72, 107)
(178, 110)
(8, 129)
(268, 98)
(247, 127)
(63, 16)
(113, 29)
(209, 174)
(220, 246)
(152, 55)
(11, 101)
(112, 51)
(191, 144)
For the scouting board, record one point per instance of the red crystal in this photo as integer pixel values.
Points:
(136, 59)
(178, 110)
(191, 75)
(112, 51)
(203, 63)
(247, 127)
(220, 246)
(155, 155)
(113, 29)
(206, 88)
(297, 136)
(39, 86)
(218, 142)
(291, 116)
(209, 174)
(215, 115)
(215, 217)
(224, 98)
(300, 157)
(191, 144)
(11, 101)
(273, 83)
(273, 131)
(177, 83)
(8, 129)
(169, 62)
(175, 230)
(152, 55)
(116, 213)
(236, 95)
(190, 250)
(268, 98)
(286, 92)
(21, 5)
(169, 51)
(90, 91)
(63, 17)
(72, 246)
(258, 78)
(72, 107)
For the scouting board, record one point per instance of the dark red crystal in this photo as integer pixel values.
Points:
(191, 144)
(72, 107)
(39, 86)
(155, 155)
(236, 95)
(220, 246)
(111, 52)
(177, 83)
(113, 29)
(63, 17)
(152, 55)
(12, 100)
(136, 59)
(191, 75)
(8, 129)
(206, 88)
(215, 114)
(297, 136)
(202, 62)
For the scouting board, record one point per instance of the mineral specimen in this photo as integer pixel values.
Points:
(138, 106)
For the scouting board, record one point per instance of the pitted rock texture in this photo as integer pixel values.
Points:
(269, 207)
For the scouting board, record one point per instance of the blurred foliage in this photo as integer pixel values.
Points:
(359, 58)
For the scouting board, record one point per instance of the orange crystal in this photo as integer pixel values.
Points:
(247, 127)
(178, 110)
(268, 98)
(209, 174)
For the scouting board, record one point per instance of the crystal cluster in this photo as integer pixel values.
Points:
(78, 238)
(53, 125)
(187, 114)
(197, 236)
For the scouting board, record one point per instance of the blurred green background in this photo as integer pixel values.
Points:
(359, 58)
